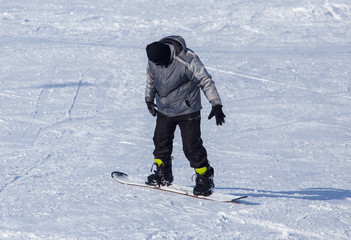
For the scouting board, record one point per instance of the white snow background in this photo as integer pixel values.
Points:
(72, 78)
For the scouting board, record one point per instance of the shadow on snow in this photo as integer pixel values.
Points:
(65, 85)
(319, 194)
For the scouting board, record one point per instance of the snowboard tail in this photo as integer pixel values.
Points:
(123, 178)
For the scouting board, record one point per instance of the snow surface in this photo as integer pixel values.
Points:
(72, 78)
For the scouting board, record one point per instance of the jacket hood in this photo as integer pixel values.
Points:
(177, 41)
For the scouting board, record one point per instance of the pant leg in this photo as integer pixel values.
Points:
(192, 143)
(163, 138)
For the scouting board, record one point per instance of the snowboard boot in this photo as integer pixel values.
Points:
(204, 181)
(162, 176)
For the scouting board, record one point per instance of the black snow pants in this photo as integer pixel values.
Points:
(189, 125)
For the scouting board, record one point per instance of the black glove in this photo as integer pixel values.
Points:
(217, 111)
(152, 108)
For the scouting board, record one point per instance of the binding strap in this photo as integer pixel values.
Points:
(201, 171)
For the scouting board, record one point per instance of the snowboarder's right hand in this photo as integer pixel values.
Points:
(152, 108)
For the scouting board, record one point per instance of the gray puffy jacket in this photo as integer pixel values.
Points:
(177, 86)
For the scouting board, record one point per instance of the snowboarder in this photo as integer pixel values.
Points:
(175, 76)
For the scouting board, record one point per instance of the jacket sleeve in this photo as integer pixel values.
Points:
(150, 90)
(199, 73)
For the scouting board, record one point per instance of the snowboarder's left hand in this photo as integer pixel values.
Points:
(217, 111)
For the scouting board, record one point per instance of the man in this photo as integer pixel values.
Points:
(175, 76)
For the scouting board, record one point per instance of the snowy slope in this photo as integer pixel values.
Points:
(72, 77)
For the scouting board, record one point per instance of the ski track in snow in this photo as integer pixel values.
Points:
(275, 82)
(72, 78)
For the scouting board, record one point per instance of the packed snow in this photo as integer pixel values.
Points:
(72, 79)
